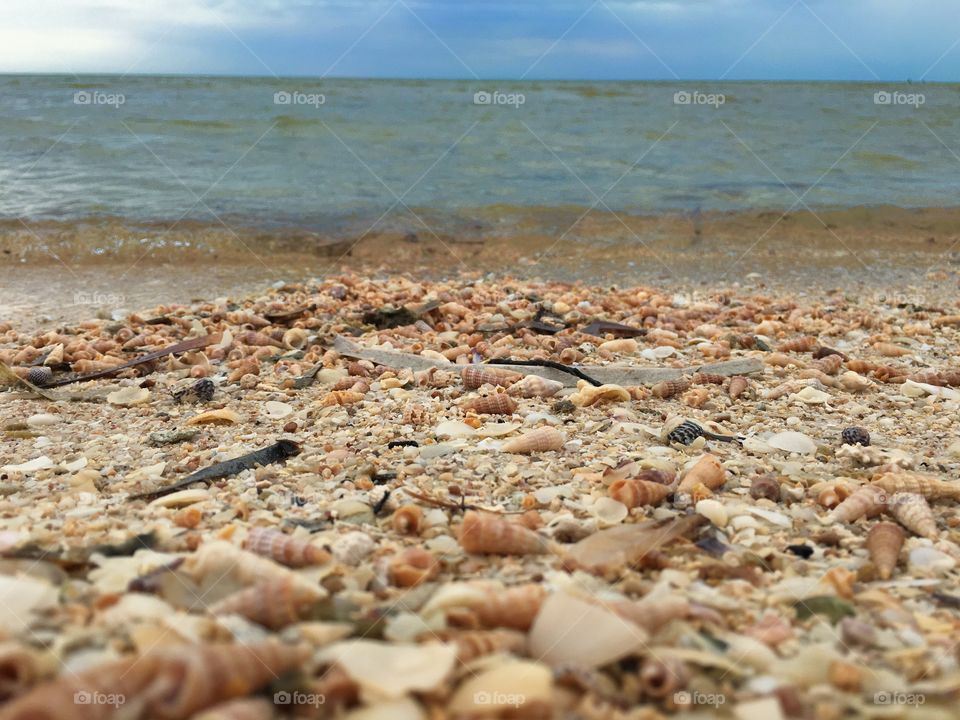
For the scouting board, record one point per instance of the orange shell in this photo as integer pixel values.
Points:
(412, 567)
(914, 513)
(829, 365)
(488, 533)
(273, 603)
(539, 440)
(633, 493)
(475, 376)
(866, 500)
(669, 388)
(408, 520)
(283, 548)
(496, 404)
(883, 543)
(701, 378)
(531, 386)
(805, 343)
(707, 470)
(516, 607)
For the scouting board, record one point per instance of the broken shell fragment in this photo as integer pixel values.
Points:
(588, 394)
(224, 416)
(129, 396)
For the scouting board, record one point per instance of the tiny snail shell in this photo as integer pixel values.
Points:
(412, 567)
(538, 440)
(805, 343)
(472, 644)
(738, 385)
(532, 386)
(767, 487)
(408, 520)
(272, 603)
(669, 388)
(487, 533)
(914, 513)
(634, 493)
(495, 404)
(707, 470)
(515, 607)
(855, 436)
(295, 338)
(663, 677)
(475, 376)
(883, 543)
(284, 549)
(701, 378)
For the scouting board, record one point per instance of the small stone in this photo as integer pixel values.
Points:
(168, 437)
(855, 436)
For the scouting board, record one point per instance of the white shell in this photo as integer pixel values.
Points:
(454, 429)
(609, 511)
(713, 510)
(128, 396)
(275, 409)
(393, 670)
(811, 396)
(795, 442)
(40, 463)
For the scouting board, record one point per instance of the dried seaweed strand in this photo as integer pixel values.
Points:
(547, 363)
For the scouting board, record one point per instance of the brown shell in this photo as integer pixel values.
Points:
(475, 376)
(412, 567)
(341, 397)
(701, 378)
(914, 513)
(516, 607)
(532, 386)
(273, 603)
(804, 343)
(489, 533)
(495, 404)
(283, 548)
(472, 644)
(883, 543)
(663, 677)
(866, 500)
(708, 470)
(408, 519)
(738, 385)
(21, 667)
(890, 350)
(633, 493)
(252, 708)
(169, 683)
(943, 378)
(767, 487)
(829, 365)
(930, 487)
(669, 388)
(539, 440)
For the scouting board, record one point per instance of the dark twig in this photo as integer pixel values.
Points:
(547, 363)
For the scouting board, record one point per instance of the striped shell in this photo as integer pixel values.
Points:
(167, 683)
(926, 485)
(532, 386)
(805, 343)
(475, 376)
(283, 548)
(294, 338)
(408, 520)
(866, 500)
(737, 387)
(707, 470)
(412, 567)
(708, 379)
(633, 493)
(472, 644)
(489, 533)
(495, 404)
(943, 378)
(890, 350)
(830, 365)
(220, 560)
(273, 604)
(914, 513)
(669, 388)
(883, 543)
(539, 440)
(252, 708)
(516, 607)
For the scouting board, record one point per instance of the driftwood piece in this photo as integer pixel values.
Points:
(613, 374)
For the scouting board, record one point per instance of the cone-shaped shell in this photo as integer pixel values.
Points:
(475, 376)
(669, 388)
(805, 343)
(883, 543)
(738, 386)
(472, 644)
(829, 365)
(489, 533)
(496, 404)
(633, 493)
(930, 487)
(944, 378)
(701, 378)
(170, 683)
(707, 470)
(531, 386)
(914, 513)
(539, 440)
(867, 500)
(283, 548)
(515, 607)
(273, 604)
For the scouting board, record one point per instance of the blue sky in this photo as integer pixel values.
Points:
(608, 39)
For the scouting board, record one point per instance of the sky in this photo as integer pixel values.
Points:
(866, 40)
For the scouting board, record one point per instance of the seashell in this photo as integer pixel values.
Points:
(890, 350)
(341, 397)
(883, 543)
(701, 378)
(914, 513)
(218, 560)
(284, 549)
(767, 487)
(472, 644)
(515, 688)
(832, 495)
(249, 708)
(930, 487)
(695, 397)
(854, 382)
(712, 510)
(531, 386)
(273, 603)
(707, 470)
(408, 520)
(182, 498)
(867, 500)
(188, 517)
(352, 548)
(295, 338)
(39, 376)
(166, 683)
(475, 376)
(625, 346)
(539, 440)
(829, 365)
(780, 390)
(515, 607)
(943, 378)
(811, 396)
(823, 351)
(412, 567)
(634, 493)
(738, 385)
(21, 667)
(488, 533)
(495, 404)
(416, 415)
(855, 436)
(129, 396)
(805, 343)
(224, 416)
(780, 360)
(700, 492)
(669, 388)
(793, 442)
(588, 394)
(663, 677)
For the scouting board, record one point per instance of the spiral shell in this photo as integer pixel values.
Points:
(767, 487)
(829, 365)
(883, 543)
(702, 378)
(914, 513)
(39, 376)
(475, 376)
(669, 388)
(930, 487)
(539, 440)
(738, 385)
(240, 709)
(495, 404)
(283, 548)
(890, 350)
(408, 520)
(412, 567)
(943, 378)
(707, 470)
(472, 644)
(866, 500)
(488, 533)
(804, 343)
(515, 607)
(294, 338)
(531, 386)
(220, 560)
(168, 683)
(416, 415)
(588, 394)
(341, 397)
(273, 604)
(663, 677)
(633, 493)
